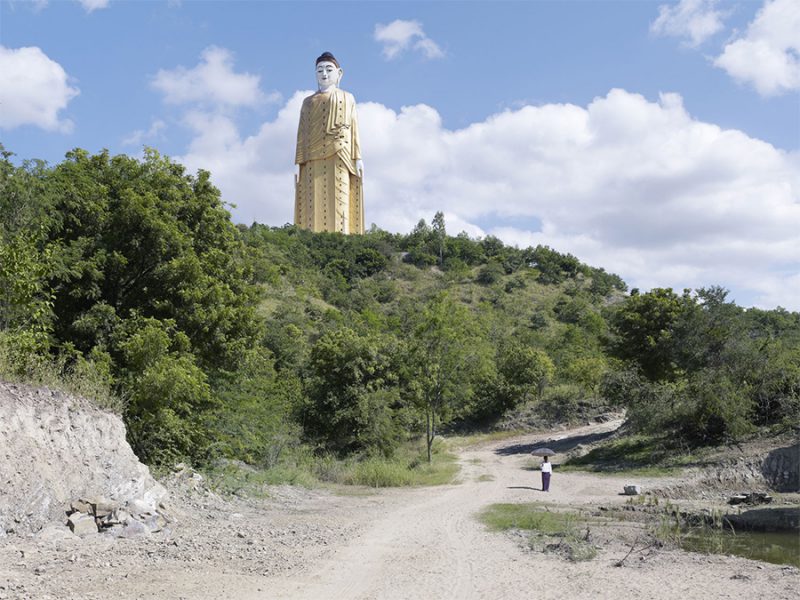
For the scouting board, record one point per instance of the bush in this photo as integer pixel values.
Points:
(490, 273)
(715, 409)
(561, 402)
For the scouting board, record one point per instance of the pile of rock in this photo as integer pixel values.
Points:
(99, 515)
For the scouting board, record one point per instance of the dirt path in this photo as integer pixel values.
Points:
(432, 546)
(427, 543)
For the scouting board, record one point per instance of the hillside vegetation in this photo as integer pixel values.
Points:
(127, 280)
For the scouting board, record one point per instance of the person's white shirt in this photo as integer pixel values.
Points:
(547, 467)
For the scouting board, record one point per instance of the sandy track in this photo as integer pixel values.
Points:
(404, 544)
(431, 546)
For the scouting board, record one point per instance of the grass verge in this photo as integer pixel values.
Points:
(559, 532)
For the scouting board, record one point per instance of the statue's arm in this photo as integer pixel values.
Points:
(356, 142)
(299, 155)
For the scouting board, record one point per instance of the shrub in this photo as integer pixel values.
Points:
(490, 273)
(561, 402)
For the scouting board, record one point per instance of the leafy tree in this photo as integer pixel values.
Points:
(145, 237)
(464, 249)
(253, 420)
(587, 372)
(26, 299)
(553, 266)
(351, 390)
(439, 234)
(168, 392)
(644, 328)
(527, 370)
(446, 357)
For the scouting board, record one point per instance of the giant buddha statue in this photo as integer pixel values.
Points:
(328, 186)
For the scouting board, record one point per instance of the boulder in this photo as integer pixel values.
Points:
(103, 507)
(632, 490)
(54, 533)
(133, 529)
(114, 530)
(81, 506)
(82, 524)
(139, 506)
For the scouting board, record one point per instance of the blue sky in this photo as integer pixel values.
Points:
(660, 140)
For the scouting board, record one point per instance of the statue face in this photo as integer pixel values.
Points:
(328, 75)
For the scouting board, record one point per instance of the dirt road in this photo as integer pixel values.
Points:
(427, 543)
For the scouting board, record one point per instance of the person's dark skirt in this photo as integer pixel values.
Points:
(545, 482)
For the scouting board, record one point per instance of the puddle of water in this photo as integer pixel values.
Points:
(778, 548)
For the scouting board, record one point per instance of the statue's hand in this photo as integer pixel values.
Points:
(360, 167)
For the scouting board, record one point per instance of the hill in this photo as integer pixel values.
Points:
(285, 349)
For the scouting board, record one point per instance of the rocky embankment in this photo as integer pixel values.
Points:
(64, 462)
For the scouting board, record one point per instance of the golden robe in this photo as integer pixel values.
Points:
(328, 192)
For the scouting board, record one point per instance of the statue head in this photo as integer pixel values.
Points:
(329, 73)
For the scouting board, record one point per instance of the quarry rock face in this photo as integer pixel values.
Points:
(60, 455)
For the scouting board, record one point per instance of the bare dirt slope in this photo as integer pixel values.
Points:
(56, 448)
(418, 543)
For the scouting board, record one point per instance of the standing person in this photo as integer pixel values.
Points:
(547, 469)
(328, 184)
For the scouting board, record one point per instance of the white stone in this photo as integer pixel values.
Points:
(82, 524)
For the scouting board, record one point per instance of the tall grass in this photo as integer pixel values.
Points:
(408, 467)
(69, 372)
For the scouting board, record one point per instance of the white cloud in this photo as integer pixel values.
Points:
(768, 55)
(212, 82)
(693, 20)
(400, 36)
(139, 136)
(255, 172)
(638, 187)
(93, 5)
(34, 89)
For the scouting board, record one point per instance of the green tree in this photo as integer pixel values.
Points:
(351, 391)
(587, 372)
(446, 357)
(526, 369)
(644, 330)
(490, 273)
(254, 418)
(145, 237)
(439, 234)
(168, 392)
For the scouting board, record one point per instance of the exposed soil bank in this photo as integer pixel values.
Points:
(783, 518)
(54, 449)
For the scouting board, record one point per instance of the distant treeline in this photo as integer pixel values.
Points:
(129, 279)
